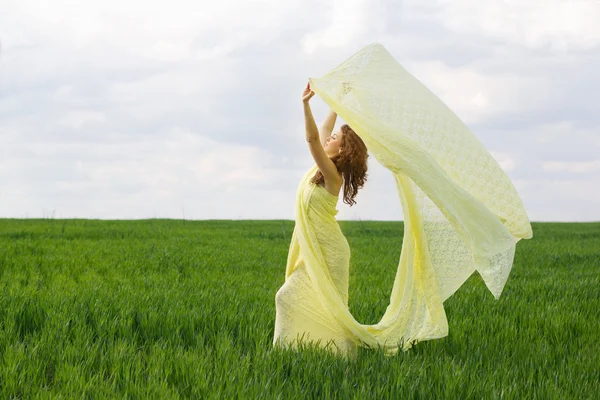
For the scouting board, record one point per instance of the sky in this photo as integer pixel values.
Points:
(135, 109)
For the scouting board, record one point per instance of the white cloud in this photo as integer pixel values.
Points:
(475, 96)
(351, 20)
(567, 133)
(561, 25)
(140, 25)
(77, 118)
(573, 167)
(178, 167)
(560, 200)
(507, 163)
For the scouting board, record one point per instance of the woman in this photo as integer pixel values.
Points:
(341, 162)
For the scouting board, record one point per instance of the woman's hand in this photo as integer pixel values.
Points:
(307, 94)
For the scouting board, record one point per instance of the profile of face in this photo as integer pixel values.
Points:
(333, 143)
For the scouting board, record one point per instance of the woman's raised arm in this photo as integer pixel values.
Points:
(326, 166)
(327, 126)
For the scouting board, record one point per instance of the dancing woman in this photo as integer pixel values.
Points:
(340, 163)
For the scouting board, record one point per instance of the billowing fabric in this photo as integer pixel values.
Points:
(461, 213)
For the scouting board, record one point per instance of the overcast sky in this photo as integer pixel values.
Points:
(135, 109)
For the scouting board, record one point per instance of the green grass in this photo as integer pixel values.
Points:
(185, 309)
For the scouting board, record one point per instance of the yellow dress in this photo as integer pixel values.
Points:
(461, 214)
(300, 314)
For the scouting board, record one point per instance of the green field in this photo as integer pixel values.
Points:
(185, 309)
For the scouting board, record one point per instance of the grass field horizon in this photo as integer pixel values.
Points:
(171, 308)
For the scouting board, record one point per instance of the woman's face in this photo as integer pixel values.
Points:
(333, 143)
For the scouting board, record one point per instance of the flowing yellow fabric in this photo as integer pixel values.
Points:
(461, 214)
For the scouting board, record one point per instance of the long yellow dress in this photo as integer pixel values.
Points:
(300, 315)
(461, 214)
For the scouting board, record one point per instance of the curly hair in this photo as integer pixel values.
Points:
(351, 162)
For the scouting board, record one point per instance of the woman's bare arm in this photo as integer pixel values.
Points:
(327, 126)
(324, 163)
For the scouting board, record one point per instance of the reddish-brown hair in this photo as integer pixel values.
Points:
(351, 162)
